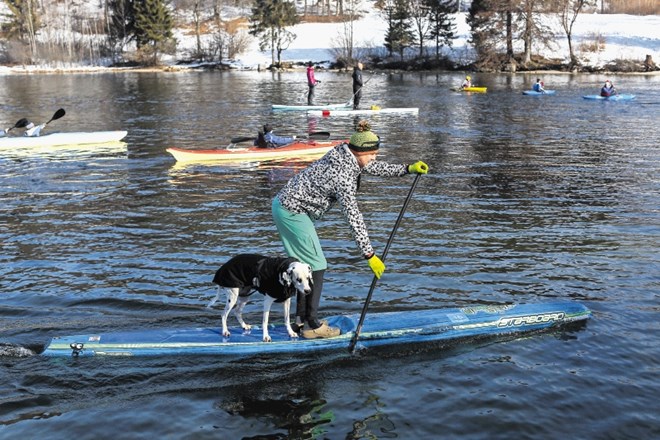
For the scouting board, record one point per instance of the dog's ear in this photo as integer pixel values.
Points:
(285, 278)
(310, 278)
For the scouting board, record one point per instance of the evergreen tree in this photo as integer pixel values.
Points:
(153, 28)
(442, 24)
(269, 21)
(398, 36)
(486, 30)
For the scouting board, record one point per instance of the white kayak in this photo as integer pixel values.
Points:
(61, 139)
(345, 105)
(369, 111)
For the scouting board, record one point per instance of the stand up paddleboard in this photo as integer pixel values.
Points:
(379, 329)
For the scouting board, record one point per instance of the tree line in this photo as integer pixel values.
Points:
(47, 32)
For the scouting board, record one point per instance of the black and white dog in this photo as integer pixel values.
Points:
(277, 278)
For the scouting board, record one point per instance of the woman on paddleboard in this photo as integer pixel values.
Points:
(310, 194)
(311, 83)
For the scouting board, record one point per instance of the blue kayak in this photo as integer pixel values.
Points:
(623, 97)
(379, 329)
(535, 93)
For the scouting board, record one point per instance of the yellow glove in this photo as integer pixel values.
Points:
(418, 167)
(376, 265)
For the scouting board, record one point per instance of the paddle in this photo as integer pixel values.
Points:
(317, 135)
(358, 329)
(58, 114)
(19, 124)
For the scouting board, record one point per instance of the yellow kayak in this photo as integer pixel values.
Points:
(471, 89)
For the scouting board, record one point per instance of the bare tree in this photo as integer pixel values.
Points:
(568, 13)
(419, 15)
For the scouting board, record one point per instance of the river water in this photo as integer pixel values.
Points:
(528, 200)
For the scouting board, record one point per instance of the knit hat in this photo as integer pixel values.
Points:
(364, 140)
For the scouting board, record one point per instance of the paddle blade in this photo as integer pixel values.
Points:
(58, 114)
(20, 123)
(239, 139)
(319, 135)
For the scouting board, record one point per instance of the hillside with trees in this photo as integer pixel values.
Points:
(505, 35)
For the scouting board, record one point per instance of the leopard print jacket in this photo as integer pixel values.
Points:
(335, 177)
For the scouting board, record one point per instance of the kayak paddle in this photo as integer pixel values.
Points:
(317, 135)
(358, 329)
(58, 114)
(19, 124)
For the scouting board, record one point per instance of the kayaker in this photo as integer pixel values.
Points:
(271, 140)
(357, 85)
(467, 82)
(538, 87)
(32, 130)
(311, 83)
(310, 194)
(608, 89)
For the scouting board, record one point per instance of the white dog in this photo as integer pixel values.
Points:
(277, 278)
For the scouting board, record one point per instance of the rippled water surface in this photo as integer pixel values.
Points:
(529, 199)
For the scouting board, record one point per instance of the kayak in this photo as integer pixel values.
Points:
(623, 97)
(535, 93)
(371, 111)
(471, 89)
(307, 148)
(346, 105)
(379, 329)
(61, 139)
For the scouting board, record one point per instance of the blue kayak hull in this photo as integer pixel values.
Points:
(623, 97)
(535, 93)
(389, 328)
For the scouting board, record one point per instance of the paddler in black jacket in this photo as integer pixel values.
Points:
(357, 85)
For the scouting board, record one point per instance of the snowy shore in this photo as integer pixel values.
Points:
(621, 37)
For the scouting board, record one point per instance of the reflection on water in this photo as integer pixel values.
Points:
(527, 200)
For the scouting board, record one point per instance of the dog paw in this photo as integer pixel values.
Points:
(226, 333)
(293, 334)
(267, 338)
(247, 327)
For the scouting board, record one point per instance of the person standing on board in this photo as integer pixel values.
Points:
(311, 83)
(538, 86)
(608, 89)
(310, 194)
(357, 85)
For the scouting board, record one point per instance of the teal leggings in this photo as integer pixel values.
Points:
(299, 236)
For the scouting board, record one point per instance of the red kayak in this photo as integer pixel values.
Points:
(237, 153)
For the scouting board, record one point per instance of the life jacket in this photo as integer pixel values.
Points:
(261, 140)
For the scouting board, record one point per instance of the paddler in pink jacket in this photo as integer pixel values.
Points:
(311, 82)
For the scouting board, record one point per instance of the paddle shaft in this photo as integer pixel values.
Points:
(358, 329)
(317, 135)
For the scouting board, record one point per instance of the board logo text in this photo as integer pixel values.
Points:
(519, 321)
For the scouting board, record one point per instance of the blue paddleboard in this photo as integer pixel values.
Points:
(535, 93)
(624, 97)
(388, 328)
